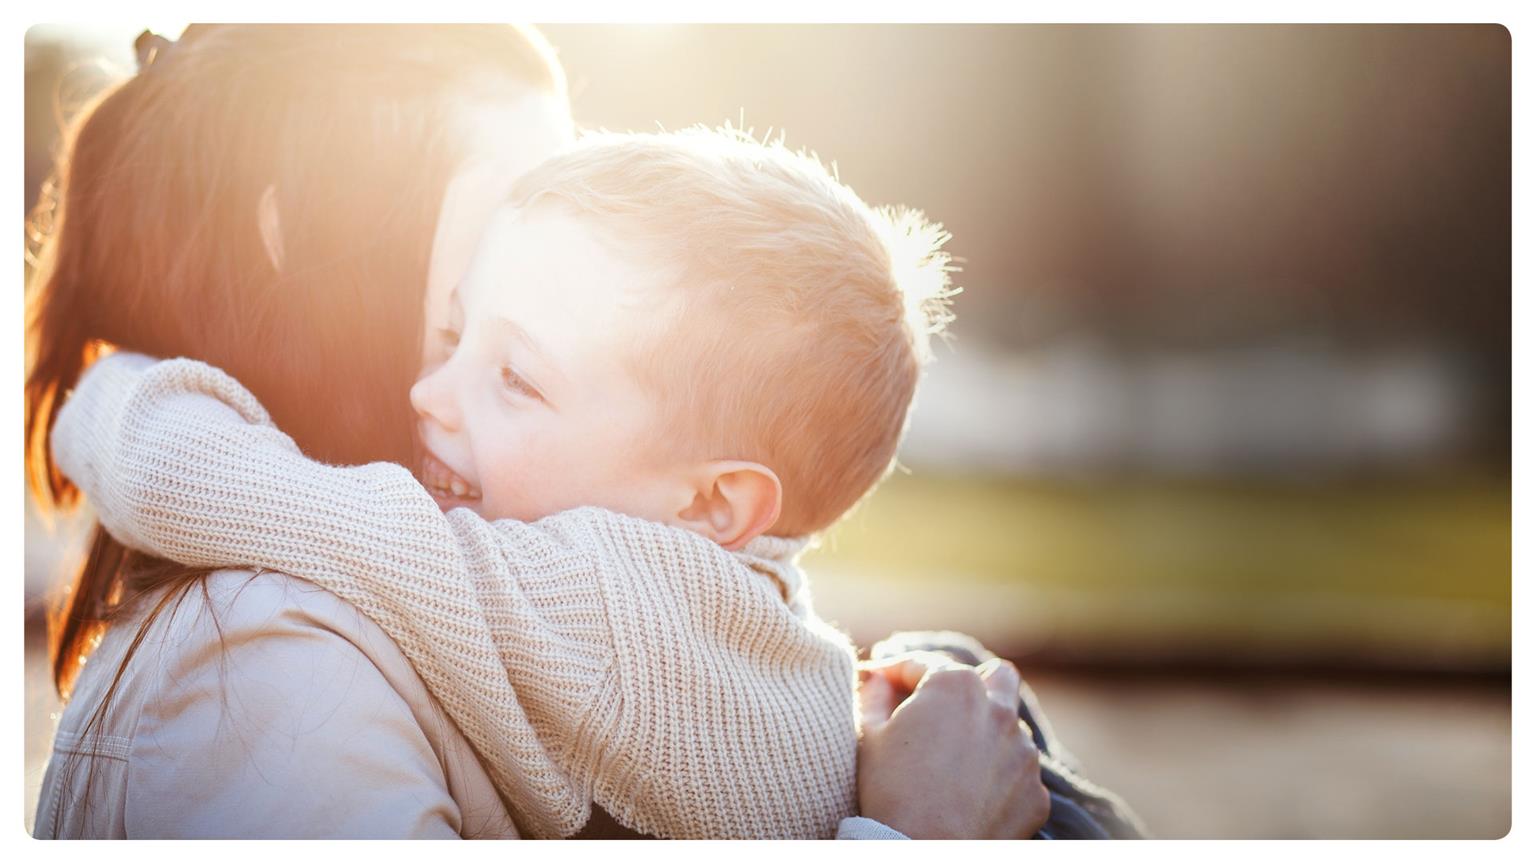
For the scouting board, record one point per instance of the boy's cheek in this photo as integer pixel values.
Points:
(524, 492)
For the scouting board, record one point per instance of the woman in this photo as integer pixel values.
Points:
(263, 198)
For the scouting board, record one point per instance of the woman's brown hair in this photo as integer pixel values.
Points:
(152, 245)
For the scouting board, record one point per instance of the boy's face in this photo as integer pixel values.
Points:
(526, 405)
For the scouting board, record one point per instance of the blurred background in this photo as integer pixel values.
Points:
(1219, 450)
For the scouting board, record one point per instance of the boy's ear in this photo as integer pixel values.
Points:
(271, 228)
(733, 502)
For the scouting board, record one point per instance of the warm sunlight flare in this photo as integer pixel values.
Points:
(540, 431)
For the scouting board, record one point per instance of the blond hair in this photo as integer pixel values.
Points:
(803, 320)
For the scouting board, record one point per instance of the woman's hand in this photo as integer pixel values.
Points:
(953, 760)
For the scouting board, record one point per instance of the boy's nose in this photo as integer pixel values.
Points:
(433, 398)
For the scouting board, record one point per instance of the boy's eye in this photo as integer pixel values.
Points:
(518, 384)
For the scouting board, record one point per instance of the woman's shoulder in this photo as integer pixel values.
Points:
(271, 604)
(265, 621)
(168, 631)
(273, 627)
(259, 631)
(255, 697)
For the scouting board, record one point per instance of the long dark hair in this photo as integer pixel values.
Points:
(152, 245)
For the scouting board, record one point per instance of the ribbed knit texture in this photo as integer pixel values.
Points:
(589, 656)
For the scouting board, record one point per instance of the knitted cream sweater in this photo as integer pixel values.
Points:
(589, 656)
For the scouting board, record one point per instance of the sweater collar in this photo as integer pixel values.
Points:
(784, 550)
(778, 557)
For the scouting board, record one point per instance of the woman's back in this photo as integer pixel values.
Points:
(260, 707)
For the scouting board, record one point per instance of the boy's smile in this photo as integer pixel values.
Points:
(448, 488)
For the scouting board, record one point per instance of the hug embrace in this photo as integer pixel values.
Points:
(452, 469)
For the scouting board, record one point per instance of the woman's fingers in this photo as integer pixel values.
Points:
(906, 671)
(877, 699)
(1002, 680)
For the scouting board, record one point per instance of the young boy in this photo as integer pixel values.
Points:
(674, 358)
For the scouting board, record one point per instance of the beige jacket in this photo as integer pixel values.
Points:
(269, 708)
